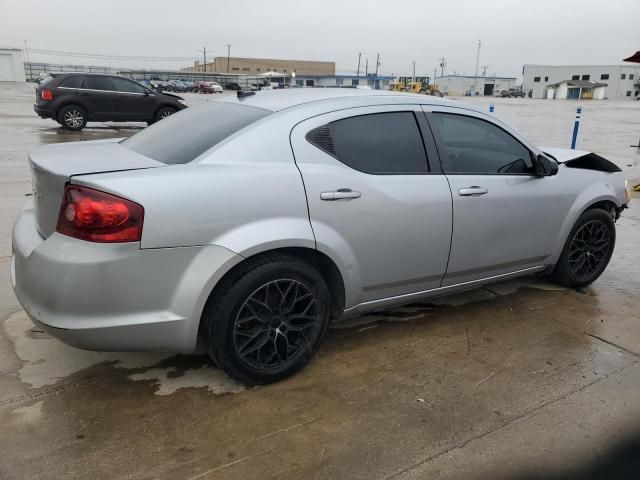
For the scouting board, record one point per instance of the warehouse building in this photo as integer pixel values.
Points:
(461, 85)
(622, 81)
(258, 66)
(11, 65)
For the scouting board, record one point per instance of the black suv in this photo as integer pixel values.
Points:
(73, 99)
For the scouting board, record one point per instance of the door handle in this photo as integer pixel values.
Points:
(472, 191)
(341, 194)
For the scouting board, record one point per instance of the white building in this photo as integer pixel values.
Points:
(459, 85)
(11, 65)
(576, 89)
(623, 81)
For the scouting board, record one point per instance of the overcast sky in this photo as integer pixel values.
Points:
(513, 32)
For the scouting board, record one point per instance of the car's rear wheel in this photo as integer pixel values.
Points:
(72, 117)
(164, 112)
(587, 251)
(267, 319)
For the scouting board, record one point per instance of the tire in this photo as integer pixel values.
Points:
(587, 250)
(164, 112)
(252, 323)
(72, 117)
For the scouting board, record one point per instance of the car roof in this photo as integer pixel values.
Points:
(277, 100)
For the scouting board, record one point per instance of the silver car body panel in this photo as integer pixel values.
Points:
(246, 195)
(392, 240)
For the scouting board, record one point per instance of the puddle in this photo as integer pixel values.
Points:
(168, 381)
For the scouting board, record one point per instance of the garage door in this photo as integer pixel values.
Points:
(6, 68)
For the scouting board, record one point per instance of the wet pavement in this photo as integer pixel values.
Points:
(518, 376)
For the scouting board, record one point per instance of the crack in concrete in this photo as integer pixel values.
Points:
(511, 421)
(624, 349)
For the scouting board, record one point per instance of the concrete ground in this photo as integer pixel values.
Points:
(521, 376)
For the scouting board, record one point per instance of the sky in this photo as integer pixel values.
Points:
(512, 32)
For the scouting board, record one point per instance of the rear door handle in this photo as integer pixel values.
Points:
(341, 194)
(472, 191)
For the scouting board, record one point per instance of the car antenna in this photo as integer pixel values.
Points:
(242, 94)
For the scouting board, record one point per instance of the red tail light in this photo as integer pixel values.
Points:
(97, 216)
(46, 94)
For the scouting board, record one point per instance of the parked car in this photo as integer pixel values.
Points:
(233, 86)
(514, 92)
(176, 86)
(501, 93)
(73, 99)
(208, 87)
(248, 225)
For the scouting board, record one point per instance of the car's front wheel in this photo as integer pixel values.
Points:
(267, 319)
(587, 251)
(164, 112)
(72, 117)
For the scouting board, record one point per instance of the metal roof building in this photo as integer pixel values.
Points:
(622, 81)
(460, 85)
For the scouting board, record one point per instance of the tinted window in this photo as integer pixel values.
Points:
(185, 135)
(123, 85)
(379, 143)
(477, 146)
(74, 81)
(97, 83)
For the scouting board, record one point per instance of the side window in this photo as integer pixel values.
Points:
(477, 146)
(73, 81)
(97, 83)
(380, 143)
(123, 85)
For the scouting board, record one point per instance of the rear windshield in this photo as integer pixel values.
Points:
(184, 136)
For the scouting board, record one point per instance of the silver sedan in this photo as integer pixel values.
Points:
(245, 226)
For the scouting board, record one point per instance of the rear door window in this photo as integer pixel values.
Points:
(97, 83)
(379, 143)
(74, 81)
(124, 85)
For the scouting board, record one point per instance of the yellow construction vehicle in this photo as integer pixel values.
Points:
(397, 86)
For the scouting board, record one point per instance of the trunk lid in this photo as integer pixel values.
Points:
(53, 166)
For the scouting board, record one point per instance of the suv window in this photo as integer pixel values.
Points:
(124, 85)
(187, 134)
(74, 81)
(478, 146)
(378, 143)
(97, 83)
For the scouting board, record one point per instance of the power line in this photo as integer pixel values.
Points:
(63, 53)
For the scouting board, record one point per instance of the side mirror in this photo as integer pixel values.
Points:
(546, 167)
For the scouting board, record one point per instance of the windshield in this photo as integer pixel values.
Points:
(184, 136)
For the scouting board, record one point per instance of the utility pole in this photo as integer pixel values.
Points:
(228, 56)
(366, 68)
(475, 82)
(358, 73)
(377, 65)
(413, 77)
(443, 65)
(434, 75)
(484, 70)
(204, 54)
(26, 50)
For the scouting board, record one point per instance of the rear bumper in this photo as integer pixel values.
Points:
(43, 112)
(113, 297)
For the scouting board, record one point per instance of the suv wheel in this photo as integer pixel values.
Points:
(72, 117)
(267, 319)
(164, 112)
(587, 251)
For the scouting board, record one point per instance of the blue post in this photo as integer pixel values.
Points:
(491, 108)
(575, 129)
